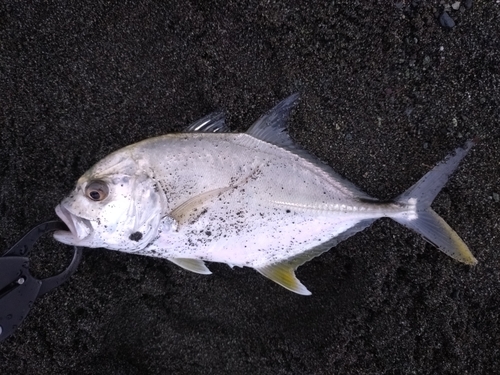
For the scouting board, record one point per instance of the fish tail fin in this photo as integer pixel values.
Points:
(423, 220)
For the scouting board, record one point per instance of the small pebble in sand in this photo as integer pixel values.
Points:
(446, 21)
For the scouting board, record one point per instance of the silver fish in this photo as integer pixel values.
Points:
(251, 199)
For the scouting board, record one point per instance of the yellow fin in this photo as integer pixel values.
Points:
(193, 265)
(423, 220)
(450, 242)
(193, 207)
(284, 275)
(436, 231)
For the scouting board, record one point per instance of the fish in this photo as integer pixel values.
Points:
(254, 199)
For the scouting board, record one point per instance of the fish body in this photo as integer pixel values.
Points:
(251, 199)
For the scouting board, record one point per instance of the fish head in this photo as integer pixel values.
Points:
(115, 205)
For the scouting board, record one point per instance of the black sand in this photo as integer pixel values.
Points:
(387, 92)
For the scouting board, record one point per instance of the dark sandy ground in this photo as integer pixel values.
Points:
(387, 92)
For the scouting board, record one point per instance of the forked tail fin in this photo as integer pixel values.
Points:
(424, 220)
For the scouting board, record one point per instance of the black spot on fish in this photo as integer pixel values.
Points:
(288, 211)
(208, 233)
(135, 236)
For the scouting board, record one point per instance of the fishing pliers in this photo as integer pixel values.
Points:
(18, 288)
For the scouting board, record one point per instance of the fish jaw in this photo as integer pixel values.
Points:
(79, 228)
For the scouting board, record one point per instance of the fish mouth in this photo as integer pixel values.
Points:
(79, 228)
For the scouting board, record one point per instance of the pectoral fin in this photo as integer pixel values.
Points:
(284, 275)
(193, 265)
(191, 209)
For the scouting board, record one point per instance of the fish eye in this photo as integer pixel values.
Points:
(97, 190)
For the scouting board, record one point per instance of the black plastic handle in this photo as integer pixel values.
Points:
(18, 288)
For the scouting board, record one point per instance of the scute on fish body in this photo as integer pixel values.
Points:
(251, 199)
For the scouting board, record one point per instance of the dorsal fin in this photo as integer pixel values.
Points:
(212, 123)
(271, 127)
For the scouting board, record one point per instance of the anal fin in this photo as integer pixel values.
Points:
(284, 275)
(193, 265)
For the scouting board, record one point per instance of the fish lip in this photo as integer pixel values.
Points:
(73, 222)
